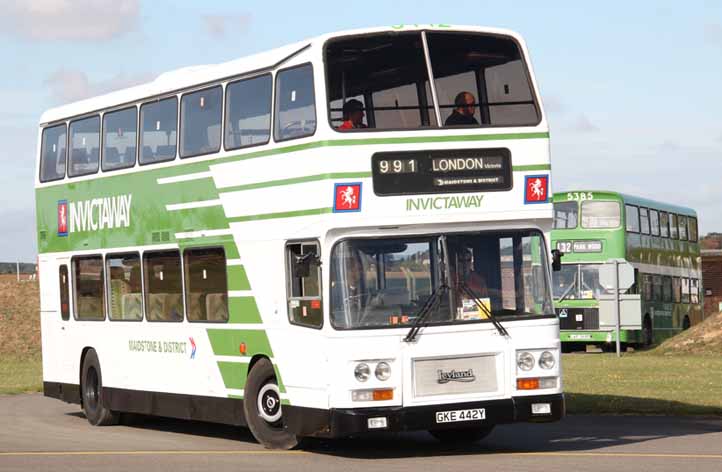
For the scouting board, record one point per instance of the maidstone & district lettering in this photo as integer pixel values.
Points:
(172, 347)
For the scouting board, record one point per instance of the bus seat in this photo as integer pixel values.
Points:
(111, 155)
(79, 156)
(216, 307)
(194, 306)
(129, 154)
(392, 296)
(174, 307)
(90, 307)
(94, 153)
(131, 306)
(147, 152)
(165, 152)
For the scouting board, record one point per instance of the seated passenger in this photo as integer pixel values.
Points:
(353, 115)
(463, 114)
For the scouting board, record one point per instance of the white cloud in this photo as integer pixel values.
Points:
(217, 26)
(582, 124)
(68, 85)
(48, 20)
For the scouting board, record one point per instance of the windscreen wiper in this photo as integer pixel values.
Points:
(568, 291)
(497, 324)
(431, 304)
(434, 299)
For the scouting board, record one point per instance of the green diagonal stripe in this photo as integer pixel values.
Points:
(283, 214)
(234, 374)
(226, 342)
(237, 278)
(243, 310)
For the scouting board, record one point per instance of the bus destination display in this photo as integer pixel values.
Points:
(447, 171)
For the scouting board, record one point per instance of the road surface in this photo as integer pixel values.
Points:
(38, 433)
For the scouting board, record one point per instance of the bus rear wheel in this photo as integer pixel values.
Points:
(262, 407)
(461, 435)
(647, 333)
(91, 389)
(686, 323)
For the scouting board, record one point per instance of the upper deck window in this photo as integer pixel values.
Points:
(248, 112)
(682, 227)
(632, 217)
(84, 146)
(692, 227)
(597, 214)
(52, 153)
(673, 233)
(201, 114)
(664, 224)
(644, 220)
(159, 125)
(565, 215)
(481, 80)
(119, 138)
(654, 222)
(381, 82)
(295, 103)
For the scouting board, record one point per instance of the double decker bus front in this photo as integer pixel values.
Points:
(588, 231)
(439, 309)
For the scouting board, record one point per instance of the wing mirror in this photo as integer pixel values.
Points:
(557, 260)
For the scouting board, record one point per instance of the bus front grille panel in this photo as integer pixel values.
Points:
(578, 318)
(455, 376)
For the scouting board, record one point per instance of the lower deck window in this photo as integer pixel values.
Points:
(206, 284)
(124, 287)
(304, 280)
(89, 296)
(164, 287)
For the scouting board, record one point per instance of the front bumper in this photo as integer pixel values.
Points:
(335, 423)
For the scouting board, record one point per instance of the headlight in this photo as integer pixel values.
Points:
(362, 372)
(546, 360)
(383, 371)
(525, 361)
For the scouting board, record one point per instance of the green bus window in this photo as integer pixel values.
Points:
(125, 297)
(664, 224)
(677, 289)
(201, 114)
(654, 222)
(644, 220)
(84, 146)
(632, 217)
(158, 130)
(685, 290)
(52, 153)
(597, 214)
(565, 215)
(88, 294)
(206, 284)
(295, 103)
(248, 112)
(682, 227)
(119, 139)
(673, 226)
(64, 292)
(692, 229)
(667, 289)
(163, 286)
(304, 284)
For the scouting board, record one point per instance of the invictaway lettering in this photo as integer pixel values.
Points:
(100, 213)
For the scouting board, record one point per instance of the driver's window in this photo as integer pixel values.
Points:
(295, 103)
(304, 284)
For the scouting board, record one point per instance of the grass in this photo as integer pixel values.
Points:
(20, 375)
(643, 383)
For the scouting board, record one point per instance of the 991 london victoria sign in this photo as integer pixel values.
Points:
(447, 171)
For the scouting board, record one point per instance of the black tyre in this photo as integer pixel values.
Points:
(686, 323)
(91, 390)
(262, 407)
(462, 435)
(647, 332)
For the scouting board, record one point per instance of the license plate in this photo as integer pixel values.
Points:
(476, 414)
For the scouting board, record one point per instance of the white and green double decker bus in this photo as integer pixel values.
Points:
(343, 235)
(660, 240)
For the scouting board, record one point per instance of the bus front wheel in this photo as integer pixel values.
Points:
(91, 389)
(262, 407)
(647, 333)
(686, 323)
(461, 435)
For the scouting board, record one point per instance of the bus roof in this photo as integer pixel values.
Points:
(629, 199)
(196, 76)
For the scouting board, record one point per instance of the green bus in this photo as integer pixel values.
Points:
(659, 240)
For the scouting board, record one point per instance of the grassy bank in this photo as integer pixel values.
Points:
(641, 383)
(21, 374)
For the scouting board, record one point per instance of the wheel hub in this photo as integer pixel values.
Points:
(269, 403)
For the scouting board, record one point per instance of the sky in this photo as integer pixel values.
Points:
(633, 90)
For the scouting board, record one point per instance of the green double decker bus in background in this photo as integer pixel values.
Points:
(659, 240)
